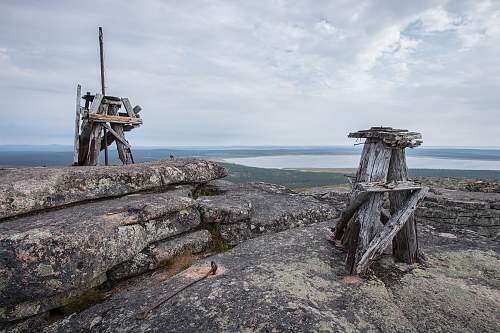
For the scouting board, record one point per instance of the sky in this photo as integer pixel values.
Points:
(268, 72)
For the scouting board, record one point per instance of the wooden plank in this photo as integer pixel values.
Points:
(96, 103)
(395, 223)
(375, 170)
(405, 243)
(116, 135)
(357, 199)
(128, 107)
(114, 119)
(393, 186)
(76, 145)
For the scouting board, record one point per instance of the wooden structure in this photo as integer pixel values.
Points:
(365, 227)
(102, 123)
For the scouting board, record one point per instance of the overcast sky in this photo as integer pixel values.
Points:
(255, 72)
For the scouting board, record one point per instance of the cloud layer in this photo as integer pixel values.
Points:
(256, 72)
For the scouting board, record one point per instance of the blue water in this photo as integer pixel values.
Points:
(351, 161)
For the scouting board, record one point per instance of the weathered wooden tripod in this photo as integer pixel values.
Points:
(102, 124)
(365, 228)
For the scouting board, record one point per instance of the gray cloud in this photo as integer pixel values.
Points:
(256, 72)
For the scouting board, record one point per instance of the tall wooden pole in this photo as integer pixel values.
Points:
(103, 90)
(77, 125)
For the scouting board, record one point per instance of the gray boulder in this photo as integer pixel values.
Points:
(294, 281)
(159, 253)
(244, 211)
(31, 189)
(478, 211)
(47, 258)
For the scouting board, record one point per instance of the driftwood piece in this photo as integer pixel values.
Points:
(76, 146)
(395, 223)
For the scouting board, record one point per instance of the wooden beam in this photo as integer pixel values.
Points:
(393, 186)
(96, 103)
(116, 135)
(348, 212)
(395, 223)
(128, 107)
(77, 125)
(113, 119)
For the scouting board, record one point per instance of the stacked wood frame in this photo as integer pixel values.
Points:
(101, 125)
(365, 228)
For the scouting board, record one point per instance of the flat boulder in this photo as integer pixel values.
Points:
(294, 281)
(477, 211)
(244, 211)
(50, 257)
(24, 190)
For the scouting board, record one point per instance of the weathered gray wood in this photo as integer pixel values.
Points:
(123, 150)
(405, 244)
(116, 135)
(87, 131)
(103, 118)
(374, 166)
(128, 107)
(95, 136)
(357, 198)
(391, 186)
(96, 103)
(76, 145)
(369, 212)
(396, 222)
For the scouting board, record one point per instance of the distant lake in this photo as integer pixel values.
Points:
(351, 161)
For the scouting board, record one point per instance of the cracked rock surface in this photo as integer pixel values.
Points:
(24, 190)
(46, 258)
(294, 281)
(244, 211)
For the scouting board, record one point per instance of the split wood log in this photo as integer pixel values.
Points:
(76, 146)
(395, 223)
(405, 244)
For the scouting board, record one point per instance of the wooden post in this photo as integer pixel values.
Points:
(405, 244)
(103, 89)
(77, 125)
(374, 166)
(364, 227)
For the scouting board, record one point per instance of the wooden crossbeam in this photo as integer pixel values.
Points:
(113, 119)
(128, 107)
(347, 213)
(395, 223)
(387, 187)
(117, 136)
